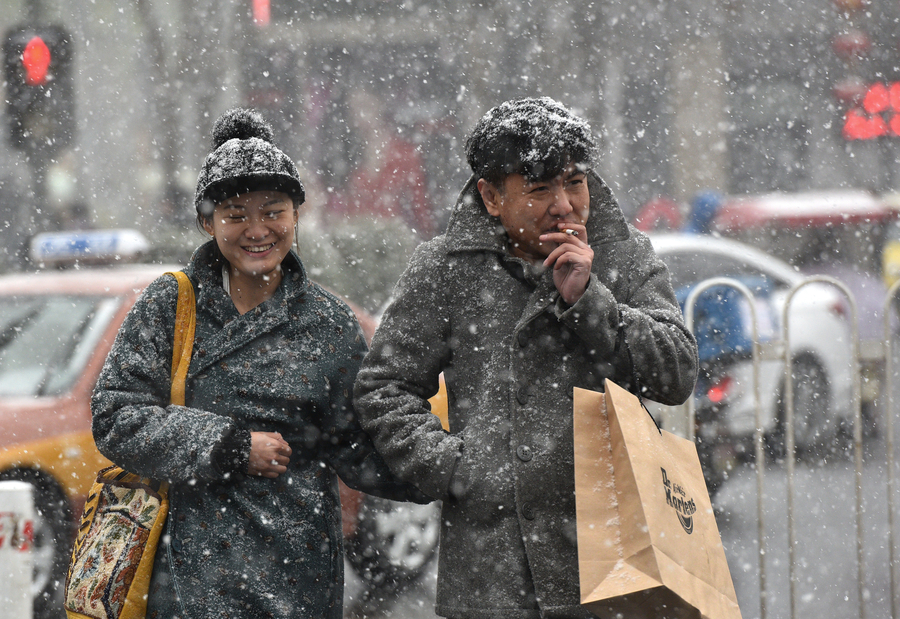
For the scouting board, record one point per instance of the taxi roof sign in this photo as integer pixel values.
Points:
(88, 245)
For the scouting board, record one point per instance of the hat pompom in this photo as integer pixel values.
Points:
(241, 124)
(244, 158)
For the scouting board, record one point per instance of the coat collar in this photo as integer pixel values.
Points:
(232, 329)
(472, 228)
(205, 270)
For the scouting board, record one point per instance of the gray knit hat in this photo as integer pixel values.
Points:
(244, 158)
(534, 137)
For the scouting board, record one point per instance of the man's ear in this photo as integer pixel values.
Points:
(490, 196)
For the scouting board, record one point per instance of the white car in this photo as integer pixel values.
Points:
(819, 339)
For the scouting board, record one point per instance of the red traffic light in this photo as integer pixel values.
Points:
(36, 61)
(39, 94)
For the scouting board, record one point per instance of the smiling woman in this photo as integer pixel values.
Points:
(254, 231)
(252, 458)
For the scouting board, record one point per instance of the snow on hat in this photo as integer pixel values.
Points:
(244, 158)
(535, 137)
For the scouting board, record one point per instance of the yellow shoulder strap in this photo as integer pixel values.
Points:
(185, 321)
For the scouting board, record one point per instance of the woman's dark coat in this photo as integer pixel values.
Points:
(243, 546)
(511, 352)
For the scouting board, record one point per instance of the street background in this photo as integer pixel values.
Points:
(374, 100)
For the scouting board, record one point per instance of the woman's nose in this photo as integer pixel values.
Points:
(256, 228)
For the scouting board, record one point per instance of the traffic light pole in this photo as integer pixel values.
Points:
(38, 72)
(39, 162)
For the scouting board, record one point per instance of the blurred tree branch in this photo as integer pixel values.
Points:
(165, 104)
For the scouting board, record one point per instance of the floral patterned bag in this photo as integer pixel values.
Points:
(124, 515)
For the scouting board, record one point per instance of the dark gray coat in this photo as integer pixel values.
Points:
(511, 352)
(243, 546)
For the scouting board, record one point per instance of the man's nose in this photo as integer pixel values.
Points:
(561, 205)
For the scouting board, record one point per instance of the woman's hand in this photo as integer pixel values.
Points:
(269, 454)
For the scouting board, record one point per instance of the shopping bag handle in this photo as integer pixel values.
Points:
(637, 383)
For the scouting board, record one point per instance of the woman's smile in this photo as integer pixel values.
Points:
(254, 232)
(258, 249)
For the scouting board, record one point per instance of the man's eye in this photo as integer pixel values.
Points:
(274, 214)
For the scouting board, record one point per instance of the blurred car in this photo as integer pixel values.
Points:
(819, 337)
(56, 328)
(841, 233)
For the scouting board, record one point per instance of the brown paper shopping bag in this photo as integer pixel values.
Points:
(648, 543)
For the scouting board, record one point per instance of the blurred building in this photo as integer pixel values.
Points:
(738, 95)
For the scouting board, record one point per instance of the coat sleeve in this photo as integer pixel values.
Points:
(133, 423)
(401, 372)
(348, 449)
(640, 326)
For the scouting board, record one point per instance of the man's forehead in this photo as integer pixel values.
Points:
(568, 172)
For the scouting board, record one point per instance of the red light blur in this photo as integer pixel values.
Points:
(878, 116)
(839, 309)
(261, 12)
(36, 60)
(851, 44)
(719, 391)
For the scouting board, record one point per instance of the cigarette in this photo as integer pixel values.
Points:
(571, 232)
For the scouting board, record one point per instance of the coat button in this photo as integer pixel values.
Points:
(522, 338)
(522, 395)
(527, 511)
(176, 544)
(524, 453)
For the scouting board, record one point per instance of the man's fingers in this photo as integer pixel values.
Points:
(558, 252)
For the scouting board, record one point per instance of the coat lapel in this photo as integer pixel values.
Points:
(235, 330)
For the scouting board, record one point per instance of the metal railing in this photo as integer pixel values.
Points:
(781, 351)
(689, 306)
(888, 382)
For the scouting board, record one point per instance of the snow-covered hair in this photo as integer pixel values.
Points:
(534, 137)
(244, 158)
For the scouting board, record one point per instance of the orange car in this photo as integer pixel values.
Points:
(56, 328)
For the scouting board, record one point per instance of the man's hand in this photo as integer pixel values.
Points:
(269, 454)
(571, 260)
